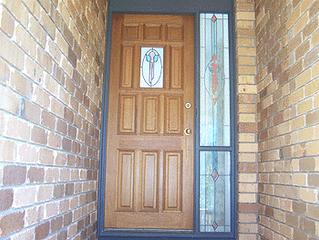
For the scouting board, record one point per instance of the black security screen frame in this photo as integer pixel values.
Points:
(174, 7)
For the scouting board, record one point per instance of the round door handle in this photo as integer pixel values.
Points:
(187, 131)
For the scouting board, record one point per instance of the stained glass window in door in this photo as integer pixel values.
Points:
(151, 67)
(214, 80)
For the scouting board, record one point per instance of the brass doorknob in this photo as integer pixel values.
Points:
(187, 131)
(188, 105)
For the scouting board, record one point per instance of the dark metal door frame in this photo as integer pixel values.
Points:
(190, 7)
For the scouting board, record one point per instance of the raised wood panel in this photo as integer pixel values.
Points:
(127, 114)
(175, 33)
(151, 118)
(127, 66)
(177, 67)
(152, 32)
(173, 115)
(130, 32)
(173, 181)
(149, 183)
(125, 183)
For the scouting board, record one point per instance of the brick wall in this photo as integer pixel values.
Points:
(247, 119)
(51, 65)
(288, 118)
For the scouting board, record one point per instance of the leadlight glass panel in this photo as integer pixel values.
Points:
(151, 67)
(214, 80)
(214, 191)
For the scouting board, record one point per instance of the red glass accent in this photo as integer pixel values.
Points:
(214, 67)
(214, 18)
(215, 175)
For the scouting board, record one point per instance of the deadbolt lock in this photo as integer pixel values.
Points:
(187, 131)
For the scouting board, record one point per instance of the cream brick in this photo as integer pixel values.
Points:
(248, 89)
(37, 32)
(312, 148)
(245, 51)
(7, 23)
(26, 41)
(301, 22)
(296, 96)
(247, 188)
(25, 235)
(248, 61)
(246, 79)
(248, 147)
(293, 17)
(247, 198)
(247, 137)
(312, 87)
(299, 179)
(247, 177)
(305, 4)
(308, 195)
(246, 42)
(247, 118)
(304, 106)
(18, 128)
(303, 78)
(245, 16)
(9, 100)
(24, 196)
(18, 10)
(11, 52)
(247, 157)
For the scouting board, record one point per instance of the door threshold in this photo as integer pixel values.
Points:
(152, 230)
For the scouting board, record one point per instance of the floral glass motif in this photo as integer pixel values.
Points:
(215, 85)
(214, 123)
(151, 73)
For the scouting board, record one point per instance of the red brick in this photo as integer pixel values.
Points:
(39, 135)
(42, 231)
(11, 222)
(48, 119)
(31, 112)
(56, 224)
(6, 199)
(36, 175)
(14, 175)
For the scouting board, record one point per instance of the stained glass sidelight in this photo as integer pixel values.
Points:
(214, 191)
(214, 76)
(215, 174)
(151, 73)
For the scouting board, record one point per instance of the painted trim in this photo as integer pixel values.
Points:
(173, 7)
(170, 6)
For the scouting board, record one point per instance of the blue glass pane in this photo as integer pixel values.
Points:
(214, 80)
(214, 191)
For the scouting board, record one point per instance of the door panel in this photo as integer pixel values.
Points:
(149, 168)
(173, 181)
(126, 178)
(149, 183)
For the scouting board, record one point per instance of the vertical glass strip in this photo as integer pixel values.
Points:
(214, 191)
(214, 80)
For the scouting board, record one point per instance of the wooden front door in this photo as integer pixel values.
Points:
(149, 168)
